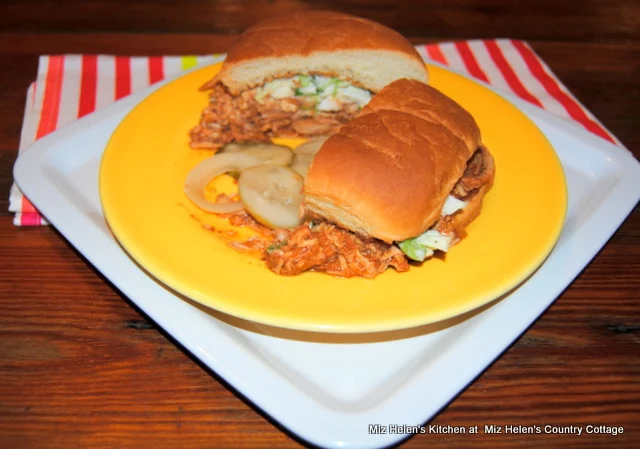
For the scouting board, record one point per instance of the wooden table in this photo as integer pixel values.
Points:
(80, 366)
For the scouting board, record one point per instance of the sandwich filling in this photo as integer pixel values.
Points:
(298, 106)
(442, 235)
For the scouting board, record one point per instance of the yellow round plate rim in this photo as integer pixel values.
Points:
(149, 262)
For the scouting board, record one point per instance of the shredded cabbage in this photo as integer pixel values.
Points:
(423, 246)
(452, 205)
(329, 93)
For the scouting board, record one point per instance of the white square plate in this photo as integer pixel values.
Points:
(329, 393)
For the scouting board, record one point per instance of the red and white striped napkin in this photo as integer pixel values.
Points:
(71, 86)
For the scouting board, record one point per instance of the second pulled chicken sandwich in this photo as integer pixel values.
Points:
(301, 75)
(402, 180)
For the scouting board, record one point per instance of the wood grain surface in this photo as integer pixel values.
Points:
(82, 367)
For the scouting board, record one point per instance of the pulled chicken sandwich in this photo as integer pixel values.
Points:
(399, 182)
(301, 75)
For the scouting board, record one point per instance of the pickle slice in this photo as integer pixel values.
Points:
(301, 164)
(268, 153)
(272, 194)
(311, 146)
(210, 168)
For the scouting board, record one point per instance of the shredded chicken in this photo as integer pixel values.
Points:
(319, 247)
(332, 250)
(253, 245)
(479, 171)
(242, 118)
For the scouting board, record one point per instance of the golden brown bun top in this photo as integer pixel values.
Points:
(388, 172)
(422, 100)
(305, 32)
(363, 52)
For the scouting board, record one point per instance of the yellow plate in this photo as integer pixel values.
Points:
(141, 187)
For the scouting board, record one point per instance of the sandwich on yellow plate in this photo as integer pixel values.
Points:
(302, 75)
(402, 180)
